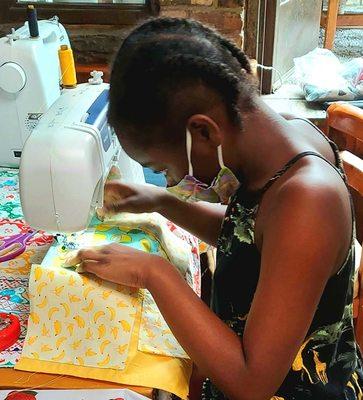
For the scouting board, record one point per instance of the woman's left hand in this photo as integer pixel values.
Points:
(118, 263)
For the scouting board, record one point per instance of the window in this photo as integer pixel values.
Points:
(98, 12)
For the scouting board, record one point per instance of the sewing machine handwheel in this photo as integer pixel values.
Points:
(12, 77)
(10, 334)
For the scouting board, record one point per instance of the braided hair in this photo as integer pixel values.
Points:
(169, 69)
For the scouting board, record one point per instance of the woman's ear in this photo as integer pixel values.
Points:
(204, 130)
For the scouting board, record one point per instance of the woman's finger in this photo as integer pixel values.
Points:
(122, 205)
(76, 257)
(117, 190)
(92, 266)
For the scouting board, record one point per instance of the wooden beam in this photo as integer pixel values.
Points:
(331, 23)
(250, 42)
(344, 20)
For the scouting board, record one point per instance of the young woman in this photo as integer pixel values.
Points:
(183, 101)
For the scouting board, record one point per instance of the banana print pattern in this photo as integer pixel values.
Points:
(75, 320)
(155, 335)
(81, 320)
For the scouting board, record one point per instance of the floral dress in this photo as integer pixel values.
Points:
(328, 364)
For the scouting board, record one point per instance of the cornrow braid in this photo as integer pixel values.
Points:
(165, 57)
(161, 24)
(229, 45)
(217, 75)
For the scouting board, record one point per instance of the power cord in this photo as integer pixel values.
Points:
(266, 68)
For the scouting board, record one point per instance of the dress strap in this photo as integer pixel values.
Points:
(293, 161)
(334, 147)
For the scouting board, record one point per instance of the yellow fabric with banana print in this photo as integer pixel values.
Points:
(78, 320)
(80, 325)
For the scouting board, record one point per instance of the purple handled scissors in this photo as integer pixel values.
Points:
(14, 245)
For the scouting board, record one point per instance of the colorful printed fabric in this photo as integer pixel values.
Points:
(14, 273)
(9, 195)
(14, 300)
(155, 335)
(37, 248)
(83, 326)
(53, 311)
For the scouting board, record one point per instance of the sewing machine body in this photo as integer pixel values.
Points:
(67, 158)
(29, 84)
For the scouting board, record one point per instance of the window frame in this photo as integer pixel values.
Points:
(81, 13)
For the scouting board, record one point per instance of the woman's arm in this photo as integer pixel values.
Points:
(203, 220)
(304, 238)
(300, 251)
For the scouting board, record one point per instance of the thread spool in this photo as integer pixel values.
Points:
(68, 69)
(32, 21)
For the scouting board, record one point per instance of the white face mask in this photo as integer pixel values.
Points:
(191, 189)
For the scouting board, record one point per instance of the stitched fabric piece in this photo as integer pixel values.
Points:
(78, 320)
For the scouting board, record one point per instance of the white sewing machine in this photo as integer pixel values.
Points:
(67, 158)
(29, 83)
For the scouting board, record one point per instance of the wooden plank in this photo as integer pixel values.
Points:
(350, 20)
(344, 20)
(323, 20)
(345, 127)
(250, 42)
(14, 379)
(353, 167)
(331, 23)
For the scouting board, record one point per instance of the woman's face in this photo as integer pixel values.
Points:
(173, 161)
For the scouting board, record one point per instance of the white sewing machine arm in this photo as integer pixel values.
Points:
(66, 160)
(29, 84)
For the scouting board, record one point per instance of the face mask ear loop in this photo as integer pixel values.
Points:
(189, 151)
(220, 156)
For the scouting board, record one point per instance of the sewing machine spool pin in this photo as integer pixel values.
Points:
(33, 22)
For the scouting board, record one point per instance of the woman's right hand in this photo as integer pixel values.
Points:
(121, 197)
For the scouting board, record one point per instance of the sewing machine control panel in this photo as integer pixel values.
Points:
(97, 116)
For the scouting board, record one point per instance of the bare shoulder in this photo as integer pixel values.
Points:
(311, 199)
(312, 205)
(313, 179)
(314, 186)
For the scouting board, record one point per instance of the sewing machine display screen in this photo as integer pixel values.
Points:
(105, 132)
(97, 116)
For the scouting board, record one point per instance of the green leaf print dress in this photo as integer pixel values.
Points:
(328, 364)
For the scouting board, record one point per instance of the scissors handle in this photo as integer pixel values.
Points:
(9, 240)
(14, 246)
